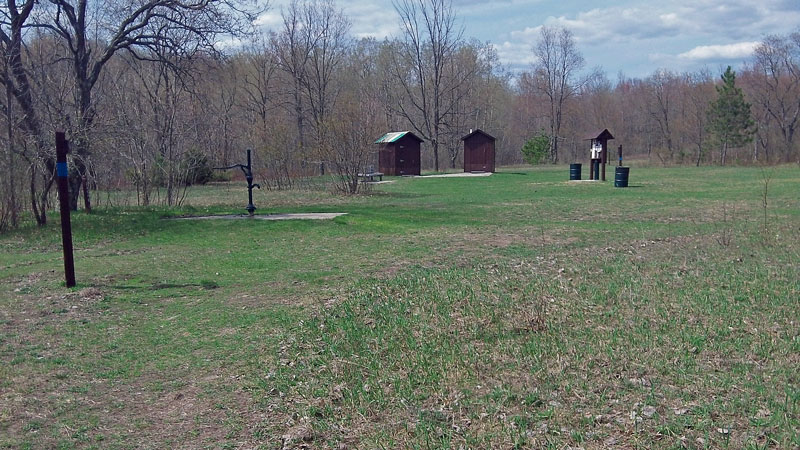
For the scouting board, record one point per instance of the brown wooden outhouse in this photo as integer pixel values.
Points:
(399, 153)
(478, 152)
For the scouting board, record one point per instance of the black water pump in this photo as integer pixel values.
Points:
(248, 175)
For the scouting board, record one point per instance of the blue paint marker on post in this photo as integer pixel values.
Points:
(62, 172)
(61, 169)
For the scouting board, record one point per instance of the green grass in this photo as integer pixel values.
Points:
(516, 310)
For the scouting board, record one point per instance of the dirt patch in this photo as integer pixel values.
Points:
(198, 411)
(52, 390)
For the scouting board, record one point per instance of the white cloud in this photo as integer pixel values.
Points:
(515, 54)
(228, 43)
(735, 19)
(268, 20)
(368, 18)
(599, 26)
(638, 36)
(529, 34)
(635, 36)
(482, 8)
(371, 19)
(739, 50)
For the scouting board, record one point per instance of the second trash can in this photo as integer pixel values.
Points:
(574, 172)
(621, 176)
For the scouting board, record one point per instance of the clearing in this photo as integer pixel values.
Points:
(516, 310)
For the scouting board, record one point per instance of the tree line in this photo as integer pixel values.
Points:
(155, 93)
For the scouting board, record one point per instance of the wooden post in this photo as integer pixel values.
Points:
(62, 148)
(619, 154)
(603, 160)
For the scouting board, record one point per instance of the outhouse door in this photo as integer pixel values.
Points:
(407, 160)
(402, 157)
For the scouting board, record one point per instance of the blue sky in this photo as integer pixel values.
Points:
(634, 37)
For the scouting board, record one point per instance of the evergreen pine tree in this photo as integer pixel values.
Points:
(729, 119)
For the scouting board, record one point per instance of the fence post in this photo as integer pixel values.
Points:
(62, 148)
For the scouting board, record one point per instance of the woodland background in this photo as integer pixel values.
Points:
(154, 93)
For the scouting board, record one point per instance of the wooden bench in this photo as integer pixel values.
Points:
(370, 177)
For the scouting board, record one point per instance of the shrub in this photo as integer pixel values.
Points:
(535, 150)
(197, 168)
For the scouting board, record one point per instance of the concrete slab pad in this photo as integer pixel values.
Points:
(292, 216)
(456, 175)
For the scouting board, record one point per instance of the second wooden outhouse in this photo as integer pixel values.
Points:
(478, 151)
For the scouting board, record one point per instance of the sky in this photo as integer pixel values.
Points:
(633, 37)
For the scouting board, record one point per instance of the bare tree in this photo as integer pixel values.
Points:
(92, 33)
(349, 145)
(597, 99)
(261, 105)
(20, 91)
(777, 61)
(9, 210)
(557, 75)
(661, 106)
(310, 48)
(700, 92)
(293, 47)
(266, 127)
(349, 139)
(259, 85)
(222, 108)
(132, 133)
(326, 58)
(164, 85)
(430, 39)
(465, 70)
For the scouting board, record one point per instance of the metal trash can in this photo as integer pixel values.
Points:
(574, 172)
(621, 176)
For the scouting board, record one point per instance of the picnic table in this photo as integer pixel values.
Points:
(370, 177)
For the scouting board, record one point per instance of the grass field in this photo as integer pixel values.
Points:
(517, 310)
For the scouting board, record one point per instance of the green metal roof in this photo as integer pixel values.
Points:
(391, 136)
(394, 136)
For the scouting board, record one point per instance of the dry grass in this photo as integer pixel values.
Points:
(430, 317)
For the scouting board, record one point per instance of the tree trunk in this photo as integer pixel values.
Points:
(555, 128)
(86, 196)
(12, 192)
(435, 148)
(40, 214)
(298, 111)
(79, 178)
(755, 150)
(789, 137)
(436, 129)
(724, 152)
(699, 154)
(12, 189)
(18, 85)
(553, 148)
(83, 86)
